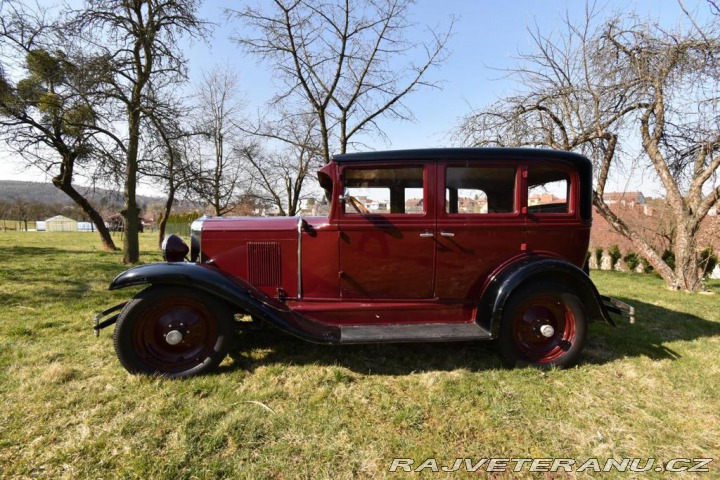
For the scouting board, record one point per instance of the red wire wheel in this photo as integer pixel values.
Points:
(174, 332)
(544, 325)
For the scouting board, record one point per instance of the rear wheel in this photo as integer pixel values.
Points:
(173, 331)
(544, 325)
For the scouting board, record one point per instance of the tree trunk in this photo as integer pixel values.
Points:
(95, 217)
(166, 215)
(131, 247)
(686, 264)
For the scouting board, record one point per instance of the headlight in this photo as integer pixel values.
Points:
(174, 249)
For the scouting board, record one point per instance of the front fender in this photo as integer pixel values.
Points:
(234, 291)
(537, 268)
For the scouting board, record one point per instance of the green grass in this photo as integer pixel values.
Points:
(282, 408)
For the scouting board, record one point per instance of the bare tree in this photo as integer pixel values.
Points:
(345, 63)
(45, 116)
(167, 157)
(278, 177)
(22, 210)
(220, 179)
(602, 84)
(137, 40)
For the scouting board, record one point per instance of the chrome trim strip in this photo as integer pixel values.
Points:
(299, 257)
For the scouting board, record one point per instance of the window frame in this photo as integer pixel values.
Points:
(572, 191)
(340, 213)
(474, 217)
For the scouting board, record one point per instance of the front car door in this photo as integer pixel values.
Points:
(386, 221)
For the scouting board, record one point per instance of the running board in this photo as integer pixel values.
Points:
(413, 332)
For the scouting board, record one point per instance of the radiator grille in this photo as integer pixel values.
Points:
(264, 265)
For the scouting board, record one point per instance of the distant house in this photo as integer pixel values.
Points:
(626, 199)
(61, 224)
(414, 205)
(377, 206)
(472, 205)
(313, 207)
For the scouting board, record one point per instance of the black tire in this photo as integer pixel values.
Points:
(203, 324)
(524, 340)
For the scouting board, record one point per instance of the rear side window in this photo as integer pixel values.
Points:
(548, 190)
(371, 191)
(479, 190)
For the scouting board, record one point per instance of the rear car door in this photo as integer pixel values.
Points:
(553, 223)
(479, 225)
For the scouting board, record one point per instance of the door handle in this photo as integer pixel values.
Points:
(447, 234)
(427, 234)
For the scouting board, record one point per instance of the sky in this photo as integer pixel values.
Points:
(487, 36)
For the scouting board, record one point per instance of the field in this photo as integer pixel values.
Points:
(282, 408)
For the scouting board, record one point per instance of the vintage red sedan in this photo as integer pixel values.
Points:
(419, 246)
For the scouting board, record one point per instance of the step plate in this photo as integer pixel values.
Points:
(417, 332)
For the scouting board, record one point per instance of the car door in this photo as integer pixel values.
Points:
(553, 223)
(386, 222)
(479, 225)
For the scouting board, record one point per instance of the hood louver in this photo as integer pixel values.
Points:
(264, 264)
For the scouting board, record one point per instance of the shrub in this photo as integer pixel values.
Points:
(179, 224)
(647, 268)
(632, 261)
(669, 258)
(707, 262)
(615, 255)
(598, 256)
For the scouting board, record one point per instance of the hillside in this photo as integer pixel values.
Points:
(49, 194)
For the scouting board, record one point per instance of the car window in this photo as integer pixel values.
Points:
(548, 190)
(370, 191)
(479, 190)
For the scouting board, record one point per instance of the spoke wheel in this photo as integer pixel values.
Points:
(544, 325)
(175, 332)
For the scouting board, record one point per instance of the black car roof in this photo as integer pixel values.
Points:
(469, 154)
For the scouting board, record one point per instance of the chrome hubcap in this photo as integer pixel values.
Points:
(174, 337)
(547, 331)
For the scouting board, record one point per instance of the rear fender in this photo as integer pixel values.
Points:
(233, 291)
(534, 268)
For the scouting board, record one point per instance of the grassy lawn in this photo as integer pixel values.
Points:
(282, 408)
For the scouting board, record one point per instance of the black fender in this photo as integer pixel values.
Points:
(538, 268)
(234, 291)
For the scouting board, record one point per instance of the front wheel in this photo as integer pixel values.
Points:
(173, 331)
(544, 325)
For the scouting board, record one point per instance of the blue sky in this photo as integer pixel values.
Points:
(487, 36)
